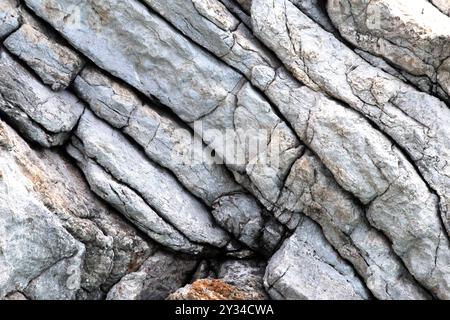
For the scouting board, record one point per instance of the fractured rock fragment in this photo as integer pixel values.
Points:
(54, 63)
(311, 189)
(144, 192)
(262, 74)
(9, 17)
(194, 84)
(111, 247)
(367, 165)
(212, 289)
(159, 275)
(414, 36)
(247, 275)
(41, 115)
(307, 268)
(32, 239)
(173, 146)
(164, 140)
(395, 107)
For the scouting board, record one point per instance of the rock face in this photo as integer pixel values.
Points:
(207, 289)
(55, 64)
(380, 28)
(9, 17)
(224, 149)
(159, 275)
(307, 268)
(43, 116)
(71, 245)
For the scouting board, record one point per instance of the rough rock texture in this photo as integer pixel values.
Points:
(212, 289)
(144, 192)
(207, 90)
(42, 115)
(9, 17)
(159, 275)
(72, 244)
(172, 145)
(311, 189)
(414, 36)
(442, 5)
(55, 64)
(224, 149)
(306, 267)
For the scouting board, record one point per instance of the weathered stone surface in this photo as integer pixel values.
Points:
(229, 40)
(239, 11)
(414, 37)
(173, 146)
(311, 189)
(15, 296)
(396, 108)
(159, 275)
(367, 165)
(212, 289)
(316, 10)
(442, 5)
(111, 247)
(9, 17)
(245, 4)
(247, 275)
(207, 90)
(222, 136)
(242, 216)
(144, 192)
(307, 267)
(259, 69)
(56, 64)
(166, 141)
(42, 115)
(103, 35)
(32, 239)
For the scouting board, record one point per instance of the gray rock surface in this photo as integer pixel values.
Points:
(442, 5)
(165, 141)
(413, 37)
(172, 145)
(310, 189)
(396, 108)
(33, 240)
(245, 274)
(210, 91)
(224, 149)
(259, 68)
(56, 64)
(159, 275)
(141, 190)
(316, 10)
(43, 116)
(110, 248)
(307, 268)
(9, 17)
(363, 168)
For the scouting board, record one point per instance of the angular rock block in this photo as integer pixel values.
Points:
(41, 115)
(56, 64)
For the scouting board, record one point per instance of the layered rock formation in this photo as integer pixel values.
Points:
(224, 149)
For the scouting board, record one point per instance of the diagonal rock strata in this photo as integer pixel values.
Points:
(220, 130)
(151, 186)
(54, 63)
(9, 17)
(43, 116)
(307, 255)
(396, 108)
